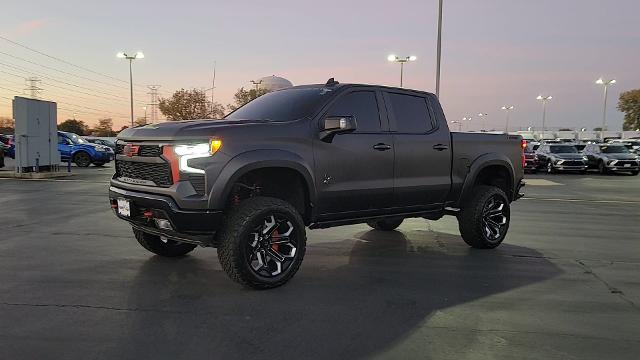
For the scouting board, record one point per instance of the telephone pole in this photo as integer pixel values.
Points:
(154, 102)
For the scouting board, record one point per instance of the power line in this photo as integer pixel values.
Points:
(64, 61)
(72, 90)
(62, 71)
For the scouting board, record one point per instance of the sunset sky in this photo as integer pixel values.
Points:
(495, 52)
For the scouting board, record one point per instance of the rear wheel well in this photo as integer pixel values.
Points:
(279, 182)
(498, 176)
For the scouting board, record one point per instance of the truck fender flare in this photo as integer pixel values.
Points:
(257, 159)
(481, 163)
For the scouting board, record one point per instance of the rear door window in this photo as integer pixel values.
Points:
(411, 113)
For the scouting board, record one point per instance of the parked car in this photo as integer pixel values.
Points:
(632, 144)
(9, 148)
(101, 141)
(531, 159)
(2, 150)
(561, 157)
(312, 156)
(612, 158)
(81, 152)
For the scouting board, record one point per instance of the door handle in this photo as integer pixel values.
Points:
(382, 147)
(440, 147)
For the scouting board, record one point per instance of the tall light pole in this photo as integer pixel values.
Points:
(544, 100)
(137, 55)
(439, 49)
(459, 124)
(393, 58)
(468, 119)
(145, 114)
(507, 109)
(257, 84)
(606, 84)
(483, 116)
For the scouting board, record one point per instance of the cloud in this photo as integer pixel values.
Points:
(28, 27)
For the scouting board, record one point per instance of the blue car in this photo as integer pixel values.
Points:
(81, 152)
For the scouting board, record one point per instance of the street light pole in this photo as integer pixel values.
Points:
(145, 114)
(606, 84)
(468, 119)
(483, 116)
(137, 55)
(507, 109)
(439, 49)
(544, 100)
(459, 124)
(393, 58)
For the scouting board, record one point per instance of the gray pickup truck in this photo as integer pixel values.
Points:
(311, 156)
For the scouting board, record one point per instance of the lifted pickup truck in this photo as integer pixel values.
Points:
(312, 156)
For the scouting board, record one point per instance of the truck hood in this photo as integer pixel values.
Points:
(187, 129)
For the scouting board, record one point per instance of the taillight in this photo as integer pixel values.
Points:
(523, 145)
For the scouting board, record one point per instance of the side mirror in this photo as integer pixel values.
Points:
(332, 125)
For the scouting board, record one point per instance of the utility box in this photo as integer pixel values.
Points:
(36, 135)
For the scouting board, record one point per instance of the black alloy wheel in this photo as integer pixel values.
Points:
(82, 159)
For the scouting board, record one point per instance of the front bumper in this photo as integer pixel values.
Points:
(145, 208)
(103, 157)
(620, 166)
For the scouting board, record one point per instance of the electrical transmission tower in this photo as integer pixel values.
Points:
(154, 102)
(33, 87)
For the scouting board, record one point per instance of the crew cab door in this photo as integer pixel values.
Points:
(422, 151)
(354, 171)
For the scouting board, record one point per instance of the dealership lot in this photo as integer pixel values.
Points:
(75, 284)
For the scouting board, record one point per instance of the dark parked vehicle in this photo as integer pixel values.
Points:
(612, 158)
(312, 156)
(3, 148)
(531, 159)
(632, 144)
(561, 157)
(103, 142)
(8, 148)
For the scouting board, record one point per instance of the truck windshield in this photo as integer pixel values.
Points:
(559, 149)
(614, 149)
(282, 105)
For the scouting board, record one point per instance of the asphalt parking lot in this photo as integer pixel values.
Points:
(74, 284)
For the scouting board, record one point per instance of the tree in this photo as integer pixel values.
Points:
(189, 105)
(629, 104)
(104, 128)
(140, 121)
(599, 128)
(565, 129)
(7, 125)
(74, 126)
(243, 96)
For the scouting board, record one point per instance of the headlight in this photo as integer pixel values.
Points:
(194, 151)
(560, 161)
(585, 158)
(101, 148)
(612, 162)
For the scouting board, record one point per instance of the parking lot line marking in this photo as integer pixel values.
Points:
(583, 200)
(541, 182)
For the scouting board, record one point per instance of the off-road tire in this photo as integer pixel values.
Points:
(385, 224)
(169, 248)
(470, 218)
(234, 237)
(82, 159)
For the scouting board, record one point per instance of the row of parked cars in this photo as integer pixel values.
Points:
(83, 151)
(607, 157)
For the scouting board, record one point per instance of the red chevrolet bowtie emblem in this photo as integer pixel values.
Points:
(130, 150)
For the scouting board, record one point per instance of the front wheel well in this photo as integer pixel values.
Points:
(498, 176)
(279, 182)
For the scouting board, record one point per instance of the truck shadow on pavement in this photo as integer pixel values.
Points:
(352, 298)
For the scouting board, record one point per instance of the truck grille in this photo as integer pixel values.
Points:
(572, 163)
(158, 173)
(143, 150)
(622, 163)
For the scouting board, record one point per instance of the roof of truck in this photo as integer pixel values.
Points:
(338, 85)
